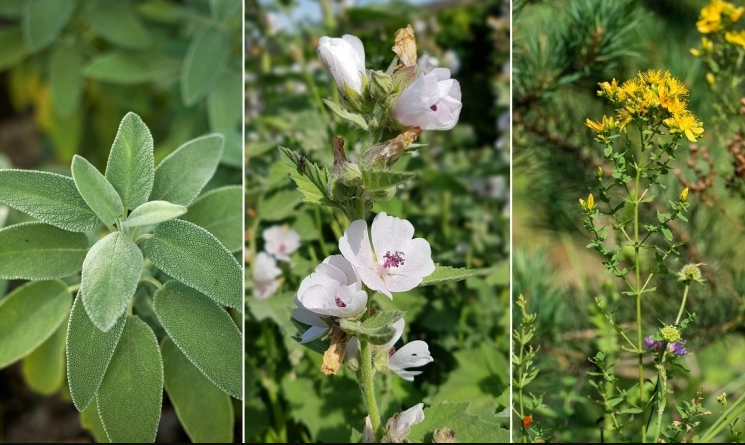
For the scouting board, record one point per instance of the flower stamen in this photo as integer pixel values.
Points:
(395, 260)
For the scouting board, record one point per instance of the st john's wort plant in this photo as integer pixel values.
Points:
(336, 313)
(130, 282)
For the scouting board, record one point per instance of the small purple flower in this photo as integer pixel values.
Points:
(678, 348)
(653, 346)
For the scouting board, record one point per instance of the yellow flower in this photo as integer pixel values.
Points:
(710, 19)
(629, 89)
(684, 194)
(590, 202)
(608, 125)
(608, 89)
(675, 106)
(736, 14)
(676, 88)
(654, 77)
(694, 52)
(686, 124)
(710, 78)
(735, 38)
(707, 45)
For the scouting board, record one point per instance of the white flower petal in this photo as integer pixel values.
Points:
(326, 275)
(281, 241)
(317, 299)
(374, 281)
(390, 234)
(398, 326)
(345, 266)
(400, 424)
(355, 245)
(412, 355)
(265, 289)
(417, 260)
(303, 315)
(265, 268)
(401, 283)
(358, 49)
(350, 350)
(342, 58)
(407, 375)
(431, 102)
(314, 332)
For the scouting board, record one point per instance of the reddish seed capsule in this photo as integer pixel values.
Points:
(527, 421)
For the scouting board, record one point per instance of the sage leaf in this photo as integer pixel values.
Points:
(96, 190)
(44, 368)
(131, 167)
(205, 61)
(42, 21)
(220, 211)
(153, 212)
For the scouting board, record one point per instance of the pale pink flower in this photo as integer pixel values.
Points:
(265, 273)
(392, 261)
(399, 426)
(431, 102)
(345, 59)
(281, 241)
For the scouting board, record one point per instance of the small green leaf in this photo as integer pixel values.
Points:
(130, 168)
(131, 68)
(131, 394)
(205, 412)
(38, 251)
(118, 23)
(181, 176)
(444, 274)
(346, 115)
(29, 316)
(49, 197)
(44, 369)
(279, 205)
(195, 257)
(111, 271)
(43, 20)
(220, 211)
(667, 233)
(96, 190)
(377, 329)
(89, 352)
(91, 421)
(11, 41)
(162, 11)
(65, 79)
(383, 179)
(204, 63)
(224, 105)
(153, 212)
(311, 181)
(224, 9)
(204, 332)
(467, 427)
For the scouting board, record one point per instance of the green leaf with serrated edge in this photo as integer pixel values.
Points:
(130, 168)
(89, 351)
(43, 20)
(220, 212)
(467, 427)
(117, 22)
(91, 421)
(131, 395)
(181, 176)
(224, 9)
(311, 181)
(383, 179)
(444, 274)
(153, 212)
(377, 329)
(65, 79)
(131, 68)
(224, 105)
(195, 257)
(205, 412)
(96, 190)
(204, 64)
(111, 271)
(48, 197)
(346, 115)
(204, 332)
(11, 41)
(44, 369)
(38, 251)
(29, 316)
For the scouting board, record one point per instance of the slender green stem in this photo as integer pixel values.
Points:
(73, 288)
(734, 411)
(151, 280)
(366, 378)
(637, 270)
(661, 397)
(682, 304)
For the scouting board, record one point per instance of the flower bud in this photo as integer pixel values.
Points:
(431, 102)
(670, 334)
(590, 202)
(345, 59)
(684, 194)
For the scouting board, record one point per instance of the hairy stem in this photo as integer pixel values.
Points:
(366, 377)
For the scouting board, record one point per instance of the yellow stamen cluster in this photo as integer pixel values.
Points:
(670, 334)
(654, 97)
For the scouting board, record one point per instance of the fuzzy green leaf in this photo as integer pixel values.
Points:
(204, 64)
(43, 20)
(96, 190)
(38, 251)
(127, 68)
(220, 211)
(224, 105)
(377, 329)
(48, 197)
(131, 394)
(181, 176)
(311, 181)
(224, 9)
(130, 168)
(204, 332)
(91, 421)
(445, 274)
(205, 412)
(279, 205)
(117, 22)
(383, 179)
(195, 257)
(346, 115)
(11, 41)
(111, 271)
(153, 212)
(467, 427)
(29, 316)
(89, 352)
(65, 79)
(44, 369)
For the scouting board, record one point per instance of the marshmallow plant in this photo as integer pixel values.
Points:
(131, 281)
(337, 309)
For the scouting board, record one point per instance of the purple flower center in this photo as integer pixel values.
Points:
(339, 303)
(395, 260)
(433, 107)
(391, 351)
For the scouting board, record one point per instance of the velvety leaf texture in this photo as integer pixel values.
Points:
(48, 197)
(130, 168)
(204, 332)
(204, 63)
(65, 79)
(468, 428)
(118, 22)
(128, 68)
(153, 212)
(38, 251)
(220, 211)
(96, 190)
(44, 368)
(444, 274)
(43, 20)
